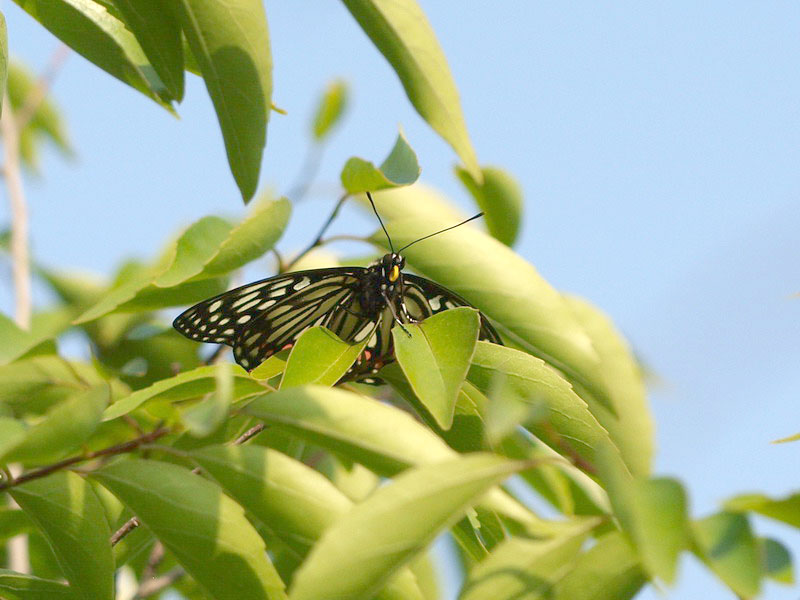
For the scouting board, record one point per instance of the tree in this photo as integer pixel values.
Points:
(192, 474)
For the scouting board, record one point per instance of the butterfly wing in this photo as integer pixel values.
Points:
(278, 309)
(423, 298)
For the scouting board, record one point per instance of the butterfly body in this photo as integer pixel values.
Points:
(356, 303)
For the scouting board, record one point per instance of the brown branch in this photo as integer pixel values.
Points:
(120, 533)
(110, 451)
(250, 433)
(154, 586)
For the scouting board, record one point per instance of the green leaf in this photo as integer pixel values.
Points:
(14, 342)
(791, 438)
(319, 356)
(92, 32)
(249, 240)
(205, 417)
(725, 542)
(367, 545)
(14, 522)
(506, 288)
(403, 35)
(192, 250)
(535, 382)
(630, 424)
(230, 42)
(382, 438)
(418, 199)
(400, 168)
(71, 517)
(500, 198)
(436, 357)
(203, 528)
(785, 509)
(776, 561)
(16, 586)
(293, 501)
(330, 109)
(3, 59)
(525, 568)
(184, 386)
(508, 410)
(157, 30)
(63, 429)
(608, 571)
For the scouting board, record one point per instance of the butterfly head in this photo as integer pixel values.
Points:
(391, 266)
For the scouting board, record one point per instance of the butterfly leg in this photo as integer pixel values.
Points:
(393, 308)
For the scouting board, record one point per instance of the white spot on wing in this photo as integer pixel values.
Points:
(244, 299)
(304, 282)
(215, 306)
(243, 319)
(266, 304)
(435, 302)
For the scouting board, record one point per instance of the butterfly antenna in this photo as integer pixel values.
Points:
(391, 246)
(480, 214)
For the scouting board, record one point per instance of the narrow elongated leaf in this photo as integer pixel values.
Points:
(230, 42)
(726, 543)
(401, 32)
(205, 530)
(366, 546)
(400, 168)
(16, 586)
(204, 418)
(69, 514)
(436, 357)
(158, 32)
(491, 277)
(525, 568)
(610, 570)
(293, 501)
(63, 428)
(14, 342)
(89, 29)
(330, 109)
(191, 384)
(320, 357)
(784, 509)
(500, 198)
(630, 424)
(382, 438)
(535, 382)
(192, 250)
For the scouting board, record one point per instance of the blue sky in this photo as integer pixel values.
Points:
(657, 146)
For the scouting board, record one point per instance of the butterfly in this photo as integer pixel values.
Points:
(356, 303)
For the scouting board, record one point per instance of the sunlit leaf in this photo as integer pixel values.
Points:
(436, 357)
(203, 528)
(16, 586)
(63, 428)
(330, 109)
(89, 29)
(403, 35)
(68, 513)
(184, 386)
(400, 168)
(726, 543)
(230, 42)
(319, 357)
(784, 509)
(367, 545)
(609, 570)
(525, 568)
(500, 198)
(157, 30)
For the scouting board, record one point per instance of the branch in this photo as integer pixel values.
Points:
(110, 451)
(153, 586)
(318, 240)
(20, 260)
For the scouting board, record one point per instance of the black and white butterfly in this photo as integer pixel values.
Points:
(356, 303)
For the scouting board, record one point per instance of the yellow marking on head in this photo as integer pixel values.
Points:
(394, 274)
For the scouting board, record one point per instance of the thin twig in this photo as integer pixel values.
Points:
(216, 355)
(20, 260)
(154, 586)
(133, 522)
(318, 240)
(37, 95)
(110, 451)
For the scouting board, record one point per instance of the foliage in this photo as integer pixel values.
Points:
(269, 484)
